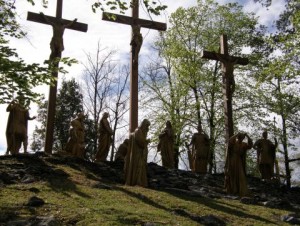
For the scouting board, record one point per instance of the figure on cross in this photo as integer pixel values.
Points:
(57, 42)
(136, 41)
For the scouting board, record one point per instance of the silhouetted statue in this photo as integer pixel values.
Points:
(75, 145)
(200, 151)
(16, 130)
(266, 155)
(122, 151)
(57, 42)
(235, 166)
(136, 41)
(136, 158)
(105, 133)
(166, 146)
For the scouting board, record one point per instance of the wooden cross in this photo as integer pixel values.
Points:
(58, 24)
(134, 21)
(228, 63)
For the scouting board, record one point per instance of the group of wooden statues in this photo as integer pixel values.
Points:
(133, 151)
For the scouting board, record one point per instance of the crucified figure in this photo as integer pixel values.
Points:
(227, 68)
(136, 41)
(57, 43)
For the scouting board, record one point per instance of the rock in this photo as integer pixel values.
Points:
(35, 202)
(35, 190)
(102, 186)
(278, 203)
(291, 219)
(212, 220)
(248, 200)
(35, 221)
(27, 179)
(47, 221)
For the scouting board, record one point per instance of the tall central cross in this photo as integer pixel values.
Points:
(59, 25)
(135, 23)
(228, 63)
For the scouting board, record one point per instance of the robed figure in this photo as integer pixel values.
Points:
(136, 159)
(17, 123)
(166, 146)
(75, 145)
(266, 156)
(235, 166)
(105, 133)
(200, 151)
(122, 151)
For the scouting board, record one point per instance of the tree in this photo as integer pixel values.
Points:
(278, 82)
(193, 30)
(16, 76)
(118, 105)
(69, 104)
(168, 99)
(97, 76)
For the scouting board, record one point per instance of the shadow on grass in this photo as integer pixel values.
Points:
(213, 204)
(36, 169)
(148, 201)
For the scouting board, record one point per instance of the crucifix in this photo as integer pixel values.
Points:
(228, 63)
(136, 42)
(56, 45)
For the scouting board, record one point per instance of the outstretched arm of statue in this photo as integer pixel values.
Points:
(46, 19)
(71, 23)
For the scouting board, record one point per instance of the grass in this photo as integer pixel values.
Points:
(74, 199)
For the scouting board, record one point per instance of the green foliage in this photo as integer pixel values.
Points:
(16, 76)
(199, 81)
(153, 7)
(69, 103)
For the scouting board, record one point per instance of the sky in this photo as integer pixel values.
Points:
(35, 47)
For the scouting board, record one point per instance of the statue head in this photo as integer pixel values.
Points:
(265, 134)
(145, 125)
(199, 128)
(80, 115)
(21, 99)
(241, 136)
(105, 115)
(168, 123)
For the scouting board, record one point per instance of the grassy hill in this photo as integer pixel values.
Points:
(69, 191)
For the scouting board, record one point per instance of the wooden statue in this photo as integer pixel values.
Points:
(57, 42)
(266, 155)
(200, 151)
(136, 158)
(166, 146)
(235, 166)
(136, 41)
(105, 133)
(16, 130)
(122, 151)
(75, 145)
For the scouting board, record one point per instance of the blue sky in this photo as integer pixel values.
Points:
(35, 48)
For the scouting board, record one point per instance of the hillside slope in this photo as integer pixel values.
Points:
(54, 190)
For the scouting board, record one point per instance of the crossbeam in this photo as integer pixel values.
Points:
(111, 17)
(36, 17)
